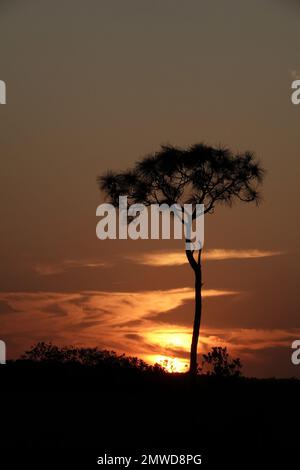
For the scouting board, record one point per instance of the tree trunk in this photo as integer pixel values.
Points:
(197, 318)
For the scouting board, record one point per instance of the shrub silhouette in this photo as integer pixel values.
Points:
(50, 353)
(220, 364)
(217, 362)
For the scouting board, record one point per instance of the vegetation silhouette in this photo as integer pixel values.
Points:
(45, 365)
(199, 174)
(68, 399)
(50, 353)
(217, 362)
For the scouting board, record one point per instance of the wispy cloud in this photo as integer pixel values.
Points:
(124, 321)
(219, 254)
(49, 269)
(156, 259)
(91, 317)
(163, 258)
(6, 308)
(177, 258)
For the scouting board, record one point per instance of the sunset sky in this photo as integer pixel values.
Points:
(95, 85)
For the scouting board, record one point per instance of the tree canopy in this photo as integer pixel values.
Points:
(198, 174)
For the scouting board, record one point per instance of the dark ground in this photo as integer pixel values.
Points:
(68, 413)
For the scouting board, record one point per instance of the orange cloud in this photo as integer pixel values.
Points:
(90, 317)
(49, 269)
(124, 322)
(178, 258)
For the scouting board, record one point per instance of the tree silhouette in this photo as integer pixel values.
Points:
(199, 174)
(42, 352)
(220, 364)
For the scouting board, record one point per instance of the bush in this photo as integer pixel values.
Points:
(218, 363)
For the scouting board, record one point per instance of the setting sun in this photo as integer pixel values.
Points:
(171, 364)
(170, 338)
